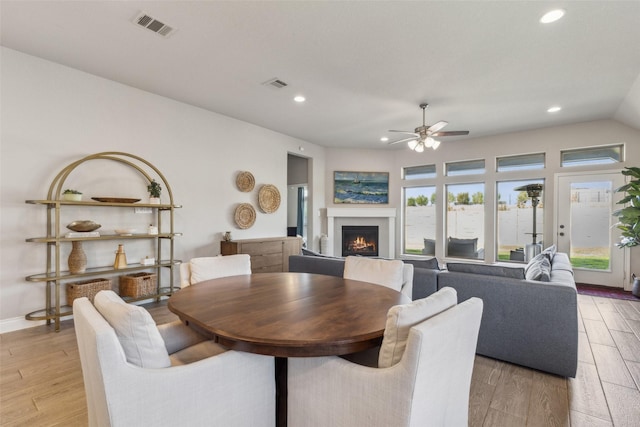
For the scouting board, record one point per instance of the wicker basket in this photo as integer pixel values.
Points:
(138, 284)
(88, 288)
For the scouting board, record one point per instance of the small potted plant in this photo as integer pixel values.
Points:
(154, 190)
(72, 195)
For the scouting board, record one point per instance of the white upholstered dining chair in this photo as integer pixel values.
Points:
(393, 274)
(206, 268)
(137, 374)
(426, 382)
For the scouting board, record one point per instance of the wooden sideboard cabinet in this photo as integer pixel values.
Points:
(267, 254)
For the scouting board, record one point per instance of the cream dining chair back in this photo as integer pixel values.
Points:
(393, 274)
(206, 268)
(428, 386)
(137, 374)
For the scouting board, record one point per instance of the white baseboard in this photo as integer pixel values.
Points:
(18, 323)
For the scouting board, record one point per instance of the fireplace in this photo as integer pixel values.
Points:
(360, 240)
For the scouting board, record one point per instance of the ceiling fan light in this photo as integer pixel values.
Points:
(420, 147)
(429, 142)
(552, 16)
(436, 144)
(412, 144)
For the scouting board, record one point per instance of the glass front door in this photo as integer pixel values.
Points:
(585, 227)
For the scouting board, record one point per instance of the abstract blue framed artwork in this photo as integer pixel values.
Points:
(361, 187)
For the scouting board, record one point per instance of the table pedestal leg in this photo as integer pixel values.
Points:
(281, 391)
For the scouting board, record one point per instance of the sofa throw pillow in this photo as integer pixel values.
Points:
(539, 270)
(431, 264)
(535, 260)
(401, 318)
(383, 272)
(487, 270)
(550, 252)
(137, 332)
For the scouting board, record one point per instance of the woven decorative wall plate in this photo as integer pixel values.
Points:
(269, 198)
(245, 215)
(245, 181)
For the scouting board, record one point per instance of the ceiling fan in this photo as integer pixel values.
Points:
(424, 135)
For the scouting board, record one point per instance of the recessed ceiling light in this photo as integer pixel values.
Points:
(384, 139)
(552, 16)
(554, 109)
(299, 98)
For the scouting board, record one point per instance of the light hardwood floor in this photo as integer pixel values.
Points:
(41, 381)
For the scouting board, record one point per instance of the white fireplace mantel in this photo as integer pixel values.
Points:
(388, 214)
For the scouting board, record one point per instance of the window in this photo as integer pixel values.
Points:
(420, 220)
(470, 167)
(522, 162)
(420, 172)
(515, 219)
(592, 156)
(465, 221)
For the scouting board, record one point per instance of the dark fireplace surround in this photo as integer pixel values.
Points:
(360, 240)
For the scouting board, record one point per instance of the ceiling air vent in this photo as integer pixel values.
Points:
(276, 83)
(150, 23)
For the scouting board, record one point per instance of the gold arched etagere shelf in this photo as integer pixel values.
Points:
(55, 276)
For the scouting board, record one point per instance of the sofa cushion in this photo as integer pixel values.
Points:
(489, 270)
(561, 262)
(430, 264)
(137, 332)
(539, 268)
(401, 318)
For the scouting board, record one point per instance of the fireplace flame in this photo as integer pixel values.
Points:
(360, 244)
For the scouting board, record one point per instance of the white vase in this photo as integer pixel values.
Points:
(154, 200)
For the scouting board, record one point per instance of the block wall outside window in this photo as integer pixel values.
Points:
(419, 207)
(465, 221)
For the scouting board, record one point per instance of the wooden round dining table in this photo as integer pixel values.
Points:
(287, 315)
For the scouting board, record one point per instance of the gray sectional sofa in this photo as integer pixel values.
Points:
(530, 321)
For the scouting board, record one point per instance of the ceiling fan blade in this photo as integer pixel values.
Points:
(437, 126)
(402, 140)
(404, 131)
(451, 133)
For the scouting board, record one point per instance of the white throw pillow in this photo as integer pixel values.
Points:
(138, 334)
(207, 268)
(383, 272)
(401, 318)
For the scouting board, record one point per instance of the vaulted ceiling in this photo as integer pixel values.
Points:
(489, 67)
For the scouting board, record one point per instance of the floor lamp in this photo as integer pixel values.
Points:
(533, 191)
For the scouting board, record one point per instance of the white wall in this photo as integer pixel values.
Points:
(53, 115)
